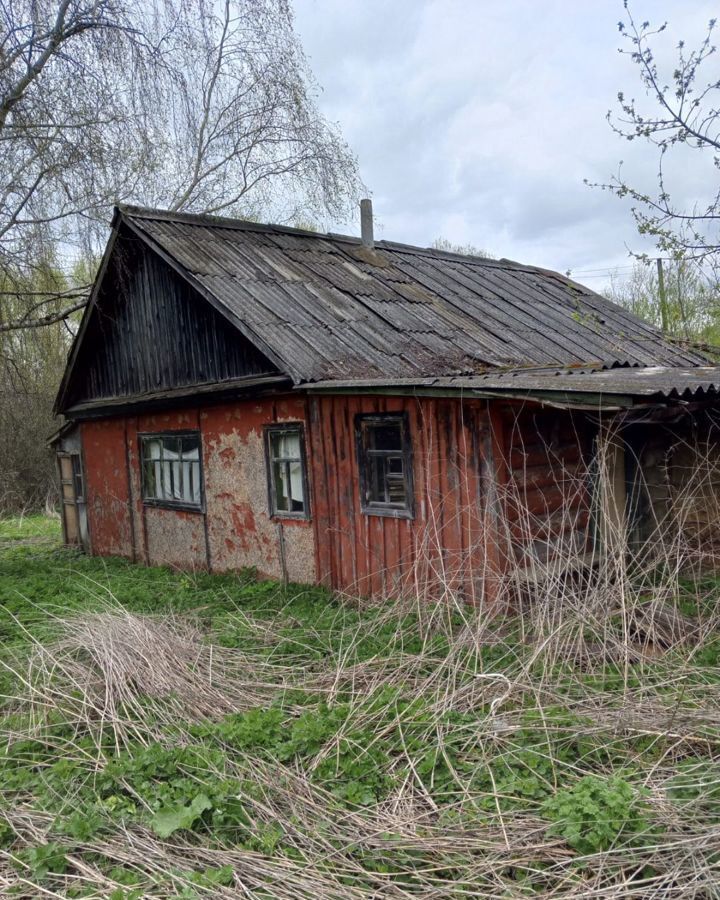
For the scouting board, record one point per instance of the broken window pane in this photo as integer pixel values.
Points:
(384, 449)
(171, 469)
(287, 471)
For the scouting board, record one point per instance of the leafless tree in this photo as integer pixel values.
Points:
(186, 104)
(681, 118)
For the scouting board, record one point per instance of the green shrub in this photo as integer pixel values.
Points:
(597, 813)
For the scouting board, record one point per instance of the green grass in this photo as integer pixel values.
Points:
(19, 528)
(298, 746)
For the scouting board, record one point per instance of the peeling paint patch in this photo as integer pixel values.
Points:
(175, 538)
(236, 529)
(241, 532)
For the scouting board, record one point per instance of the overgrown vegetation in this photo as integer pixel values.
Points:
(689, 312)
(183, 735)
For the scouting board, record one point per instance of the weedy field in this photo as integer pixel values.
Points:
(184, 735)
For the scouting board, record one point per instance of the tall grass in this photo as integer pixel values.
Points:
(559, 738)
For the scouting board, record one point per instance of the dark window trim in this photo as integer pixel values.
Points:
(280, 428)
(172, 504)
(375, 508)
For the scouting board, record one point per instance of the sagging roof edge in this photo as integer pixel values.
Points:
(223, 392)
(216, 392)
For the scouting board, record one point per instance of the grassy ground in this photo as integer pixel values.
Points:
(185, 735)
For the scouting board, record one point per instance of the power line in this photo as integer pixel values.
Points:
(603, 269)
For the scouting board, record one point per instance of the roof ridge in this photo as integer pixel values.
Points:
(232, 222)
(191, 218)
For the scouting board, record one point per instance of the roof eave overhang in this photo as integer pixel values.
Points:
(199, 394)
(592, 402)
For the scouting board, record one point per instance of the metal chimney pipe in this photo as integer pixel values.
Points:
(366, 223)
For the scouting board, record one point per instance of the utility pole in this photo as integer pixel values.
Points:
(663, 298)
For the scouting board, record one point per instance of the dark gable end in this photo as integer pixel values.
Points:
(149, 333)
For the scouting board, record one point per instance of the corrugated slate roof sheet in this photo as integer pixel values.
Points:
(331, 309)
(661, 382)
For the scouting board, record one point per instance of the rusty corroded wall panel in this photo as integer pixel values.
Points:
(108, 495)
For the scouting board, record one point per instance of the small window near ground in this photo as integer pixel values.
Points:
(385, 462)
(285, 446)
(172, 474)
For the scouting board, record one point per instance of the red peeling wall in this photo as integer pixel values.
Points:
(106, 470)
(478, 469)
(235, 530)
(239, 530)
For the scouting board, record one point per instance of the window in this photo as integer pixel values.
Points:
(287, 480)
(77, 477)
(171, 471)
(385, 462)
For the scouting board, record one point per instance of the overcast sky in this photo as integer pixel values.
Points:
(477, 121)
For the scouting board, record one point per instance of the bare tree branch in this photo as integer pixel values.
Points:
(100, 102)
(683, 116)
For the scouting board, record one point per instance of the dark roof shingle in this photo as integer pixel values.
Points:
(330, 308)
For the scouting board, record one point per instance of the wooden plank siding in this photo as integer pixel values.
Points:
(495, 486)
(150, 331)
(374, 555)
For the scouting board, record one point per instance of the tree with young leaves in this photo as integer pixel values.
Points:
(686, 305)
(680, 116)
(184, 104)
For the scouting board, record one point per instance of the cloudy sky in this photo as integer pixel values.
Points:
(478, 121)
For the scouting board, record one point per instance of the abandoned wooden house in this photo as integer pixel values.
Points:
(365, 415)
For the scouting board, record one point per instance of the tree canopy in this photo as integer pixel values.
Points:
(183, 104)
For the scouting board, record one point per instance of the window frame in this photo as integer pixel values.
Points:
(78, 476)
(286, 428)
(163, 503)
(376, 507)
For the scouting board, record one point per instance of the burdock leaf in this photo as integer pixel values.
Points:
(170, 819)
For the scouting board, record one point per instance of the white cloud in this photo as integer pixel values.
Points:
(478, 121)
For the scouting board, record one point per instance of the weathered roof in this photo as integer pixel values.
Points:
(328, 308)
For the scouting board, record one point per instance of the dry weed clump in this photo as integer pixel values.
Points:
(570, 748)
(114, 668)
